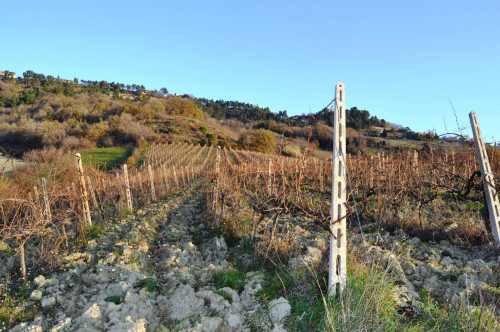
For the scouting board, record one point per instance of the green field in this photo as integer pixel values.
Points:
(106, 158)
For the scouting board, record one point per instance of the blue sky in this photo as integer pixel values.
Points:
(401, 60)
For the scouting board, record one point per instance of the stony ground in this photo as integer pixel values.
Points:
(152, 271)
(467, 276)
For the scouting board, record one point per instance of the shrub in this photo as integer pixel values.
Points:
(260, 140)
(292, 151)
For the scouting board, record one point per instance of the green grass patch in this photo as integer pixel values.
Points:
(142, 154)
(234, 279)
(275, 286)
(225, 295)
(149, 285)
(106, 158)
(95, 230)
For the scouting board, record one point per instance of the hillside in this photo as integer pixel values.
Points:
(38, 111)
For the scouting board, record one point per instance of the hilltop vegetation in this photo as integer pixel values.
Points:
(38, 111)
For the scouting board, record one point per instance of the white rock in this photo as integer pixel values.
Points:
(447, 261)
(23, 327)
(48, 302)
(129, 326)
(40, 281)
(279, 309)
(414, 241)
(217, 302)
(183, 303)
(211, 324)
(94, 312)
(231, 292)
(36, 295)
(233, 321)
(65, 324)
(278, 328)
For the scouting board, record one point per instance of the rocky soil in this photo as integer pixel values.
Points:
(453, 275)
(152, 271)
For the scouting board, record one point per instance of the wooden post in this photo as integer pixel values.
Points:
(165, 175)
(151, 181)
(22, 261)
(175, 178)
(321, 177)
(37, 199)
(46, 204)
(488, 178)
(127, 187)
(216, 180)
(269, 177)
(92, 193)
(86, 209)
(337, 277)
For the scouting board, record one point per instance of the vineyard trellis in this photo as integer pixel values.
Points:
(63, 212)
(262, 188)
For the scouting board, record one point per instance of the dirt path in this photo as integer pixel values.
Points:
(151, 271)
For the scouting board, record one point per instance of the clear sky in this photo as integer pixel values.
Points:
(401, 60)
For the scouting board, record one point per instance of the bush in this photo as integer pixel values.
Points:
(292, 151)
(260, 140)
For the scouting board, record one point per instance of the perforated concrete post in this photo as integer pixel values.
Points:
(127, 187)
(337, 276)
(488, 178)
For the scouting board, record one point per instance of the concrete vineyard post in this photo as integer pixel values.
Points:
(152, 184)
(127, 187)
(83, 187)
(337, 276)
(47, 212)
(488, 178)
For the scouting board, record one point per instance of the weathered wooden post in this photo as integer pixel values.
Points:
(269, 177)
(337, 276)
(127, 187)
(216, 181)
(321, 177)
(415, 163)
(86, 208)
(47, 212)
(175, 177)
(165, 175)
(151, 183)
(453, 162)
(37, 199)
(488, 178)
(92, 193)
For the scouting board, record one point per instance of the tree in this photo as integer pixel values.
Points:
(164, 91)
(69, 90)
